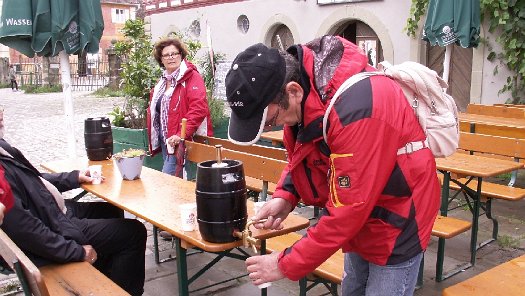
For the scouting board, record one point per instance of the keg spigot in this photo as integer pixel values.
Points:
(218, 156)
(246, 235)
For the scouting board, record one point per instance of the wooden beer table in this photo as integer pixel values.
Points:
(155, 197)
(454, 168)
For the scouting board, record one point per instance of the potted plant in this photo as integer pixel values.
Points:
(139, 73)
(129, 163)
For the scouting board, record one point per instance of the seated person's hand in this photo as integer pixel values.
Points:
(90, 254)
(85, 177)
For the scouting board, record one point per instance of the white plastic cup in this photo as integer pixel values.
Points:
(171, 149)
(257, 206)
(265, 285)
(95, 171)
(188, 214)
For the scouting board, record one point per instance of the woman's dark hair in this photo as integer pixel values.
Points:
(159, 46)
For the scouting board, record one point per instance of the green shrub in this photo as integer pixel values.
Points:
(40, 89)
(108, 92)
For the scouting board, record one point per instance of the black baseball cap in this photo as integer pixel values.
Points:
(253, 81)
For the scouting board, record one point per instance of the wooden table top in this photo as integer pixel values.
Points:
(491, 120)
(505, 280)
(477, 166)
(156, 196)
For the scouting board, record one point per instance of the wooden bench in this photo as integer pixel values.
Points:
(493, 145)
(493, 110)
(77, 278)
(330, 273)
(504, 279)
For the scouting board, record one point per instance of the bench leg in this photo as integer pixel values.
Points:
(22, 277)
(440, 260)
(156, 244)
(488, 213)
(302, 287)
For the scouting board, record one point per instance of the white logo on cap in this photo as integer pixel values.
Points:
(235, 67)
(236, 104)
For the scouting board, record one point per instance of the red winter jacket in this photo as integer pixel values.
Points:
(380, 205)
(6, 195)
(187, 101)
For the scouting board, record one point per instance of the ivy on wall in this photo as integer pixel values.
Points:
(506, 20)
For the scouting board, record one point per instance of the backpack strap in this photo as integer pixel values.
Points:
(346, 85)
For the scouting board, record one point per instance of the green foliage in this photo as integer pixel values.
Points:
(507, 241)
(129, 153)
(40, 89)
(506, 20)
(108, 92)
(118, 116)
(139, 73)
(417, 10)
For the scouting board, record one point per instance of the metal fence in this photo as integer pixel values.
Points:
(86, 74)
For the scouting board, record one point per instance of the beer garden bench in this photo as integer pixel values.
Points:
(75, 278)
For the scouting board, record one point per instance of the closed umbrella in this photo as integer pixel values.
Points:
(16, 25)
(49, 28)
(180, 154)
(452, 22)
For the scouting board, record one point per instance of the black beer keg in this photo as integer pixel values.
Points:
(221, 200)
(98, 138)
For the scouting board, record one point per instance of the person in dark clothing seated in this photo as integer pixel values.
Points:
(49, 232)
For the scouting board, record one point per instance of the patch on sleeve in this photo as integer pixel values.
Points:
(344, 181)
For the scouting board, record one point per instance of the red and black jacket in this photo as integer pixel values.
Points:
(380, 205)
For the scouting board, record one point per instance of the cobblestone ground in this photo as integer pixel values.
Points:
(35, 122)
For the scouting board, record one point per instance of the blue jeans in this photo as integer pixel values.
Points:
(364, 278)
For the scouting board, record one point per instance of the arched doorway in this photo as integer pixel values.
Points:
(282, 38)
(364, 36)
(460, 71)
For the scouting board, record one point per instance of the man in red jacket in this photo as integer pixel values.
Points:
(380, 197)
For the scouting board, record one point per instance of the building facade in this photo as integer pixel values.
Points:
(229, 26)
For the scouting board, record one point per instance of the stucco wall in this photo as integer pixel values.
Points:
(307, 20)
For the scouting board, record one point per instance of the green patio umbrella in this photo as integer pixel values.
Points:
(16, 25)
(452, 22)
(51, 28)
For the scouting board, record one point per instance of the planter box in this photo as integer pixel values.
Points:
(220, 130)
(125, 138)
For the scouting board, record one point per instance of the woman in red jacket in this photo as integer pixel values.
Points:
(180, 93)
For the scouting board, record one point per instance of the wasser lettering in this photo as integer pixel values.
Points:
(18, 22)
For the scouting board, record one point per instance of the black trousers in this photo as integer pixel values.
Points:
(14, 83)
(120, 245)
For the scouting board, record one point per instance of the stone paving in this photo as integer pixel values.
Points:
(35, 125)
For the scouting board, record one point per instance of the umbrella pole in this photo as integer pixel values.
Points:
(446, 62)
(65, 69)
